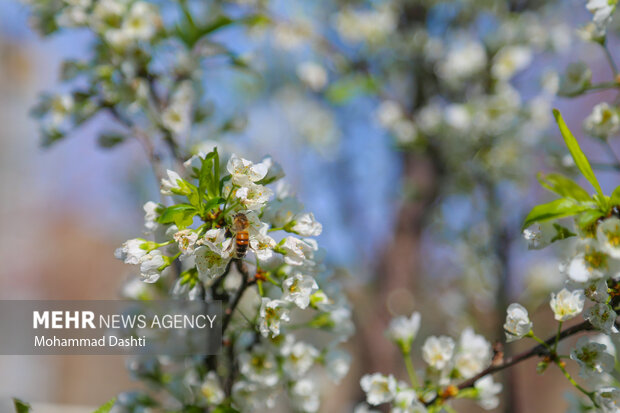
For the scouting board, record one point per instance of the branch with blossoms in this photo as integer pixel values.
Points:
(464, 370)
(224, 230)
(278, 287)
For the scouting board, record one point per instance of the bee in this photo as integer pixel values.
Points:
(240, 226)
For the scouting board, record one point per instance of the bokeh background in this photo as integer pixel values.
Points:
(64, 210)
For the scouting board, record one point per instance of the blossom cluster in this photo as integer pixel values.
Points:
(281, 282)
(591, 275)
(145, 71)
(448, 362)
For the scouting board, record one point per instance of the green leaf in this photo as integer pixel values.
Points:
(256, 20)
(190, 32)
(580, 159)
(615, 196)
(563, 186)
(21, 406)
(587, 218)
(559, 208)
(181, 215)
(216, 24)
(350, 87)
(561, 233)
(50, 137)
(212, 203)
(106, 407)
(209, 176)
(110, 140)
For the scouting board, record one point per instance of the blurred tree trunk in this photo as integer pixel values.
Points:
(399, 266)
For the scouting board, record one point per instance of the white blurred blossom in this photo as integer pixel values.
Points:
(518, 322)
(602, 122)
(378, 388)
(438, 351)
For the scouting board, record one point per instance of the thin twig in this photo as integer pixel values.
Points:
(538, 350)
(245, 283)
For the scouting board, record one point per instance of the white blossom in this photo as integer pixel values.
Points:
(567, 304)
(608, 399)
(389, 112)
(463, 61)
(250, 396)
(608, 235)
(438, 351)
(262, 244)
(253, 196)
(403, 330)
(274, 170)
(510, 60)
(171, 183)
(107, 11)
(61, 107)
(591, 263)
(313, 75)
(150, 266)
(406, 401)
(602, 11)
(295, 250)
(487, 392)
(298, 357)
(592, 357)
(141, 22)
(305, 396)
(244, 172)
(518, 322)
(538, 236)
(337, 363)
(306, 226)
(474, 354)
(298, 288)
(378, 388)
(602, 122)
(131, 251)
(209, 263)
(151, 212)
(259, 366)
(597, 291)
(576, 78)
(371, 25)
(272, 312)
(601, 316)
(177, 115)
(211, 389)
(186, 240)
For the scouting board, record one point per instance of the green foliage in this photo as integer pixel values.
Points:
(181, 215)
(209, 176)
(575, 201)
(110, 140)
(580, 159)
(559, 208)
(347, 88)
(106, 407)
(561, 233)
(563, 186)
(201, 199)
(21, 406)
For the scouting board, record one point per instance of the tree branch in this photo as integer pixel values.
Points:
(539, 350)
(245, 283)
